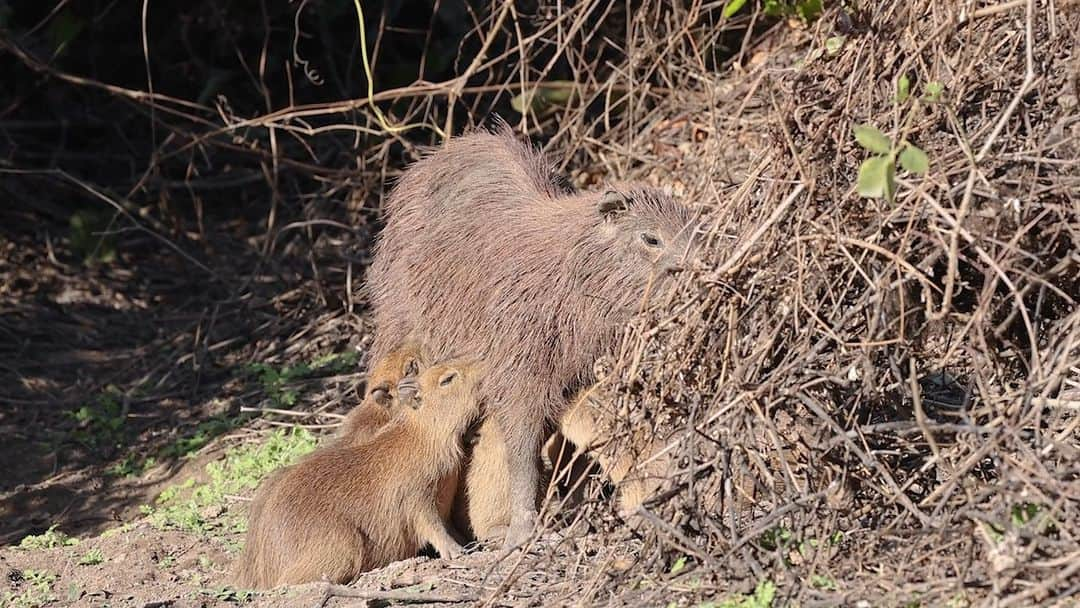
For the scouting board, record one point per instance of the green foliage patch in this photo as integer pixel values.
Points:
(38, 591)
(276, 380)
(199, 507)
(49, 539)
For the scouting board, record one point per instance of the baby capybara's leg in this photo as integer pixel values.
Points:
(431, 528)
(522, 435)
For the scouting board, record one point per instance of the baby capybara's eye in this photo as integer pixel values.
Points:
(447, 378)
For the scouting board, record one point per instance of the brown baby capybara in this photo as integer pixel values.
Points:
(588, 429)
(636, 463)
(375, 410)
(483, 254)
(481, 505)
(347, 508)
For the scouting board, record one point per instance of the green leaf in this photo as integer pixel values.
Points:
(732, 7)
(834, 44)
(544, 98)
(872, 139)
(914, 160)
(877, 178)
(679, 564)
(903, 89)
(934, 89)
(809, 10)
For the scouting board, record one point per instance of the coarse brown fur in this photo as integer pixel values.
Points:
(349, 508)
(482, 502)
(375, 410)
(484, 254)
(586, 435)
(634, 464)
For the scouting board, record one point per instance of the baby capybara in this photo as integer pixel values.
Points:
(347, 508)
(485, 255)
(375, 410)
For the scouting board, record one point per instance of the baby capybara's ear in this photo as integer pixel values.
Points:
(611, 203)
(411, 367)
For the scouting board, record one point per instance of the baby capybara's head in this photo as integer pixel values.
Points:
(647, 232)
(443, 394)
(385, 374)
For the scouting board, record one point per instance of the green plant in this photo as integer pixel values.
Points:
(92, 557)
(545, 99)
(934, 89)
(196, 507)
(1031, 516)
(818, 581)
(275, 381)
(834, 44)
(100, 422)
(228, 594)
(38, 592)
(762, 597)
(203, 433)
(121, 529)
(807, 10)
(877, 174)
(131, 466)
(49, 539)
(88, 236)
(775, 538)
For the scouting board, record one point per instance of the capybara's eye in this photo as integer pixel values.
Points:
(650, 240)
(447, 378)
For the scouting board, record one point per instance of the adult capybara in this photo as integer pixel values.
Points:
(375, 410)
(349, 508)
(485, 255)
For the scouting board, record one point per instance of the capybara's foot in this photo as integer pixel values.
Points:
(520, 530)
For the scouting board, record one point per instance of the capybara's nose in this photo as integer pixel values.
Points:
(674, 268)
(408, 390)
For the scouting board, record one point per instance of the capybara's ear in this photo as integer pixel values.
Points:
(411, 367)
(611, 203)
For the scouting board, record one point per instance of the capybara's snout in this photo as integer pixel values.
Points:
(409, 391)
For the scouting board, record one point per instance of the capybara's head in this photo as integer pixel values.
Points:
(650, 232)
(443, 394)
(384, 376)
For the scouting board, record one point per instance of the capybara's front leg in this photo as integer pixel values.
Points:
(522, 438)
(431, 529)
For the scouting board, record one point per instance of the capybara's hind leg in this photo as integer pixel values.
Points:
(336, 561)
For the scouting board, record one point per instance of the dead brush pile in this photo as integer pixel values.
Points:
(869, 399)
